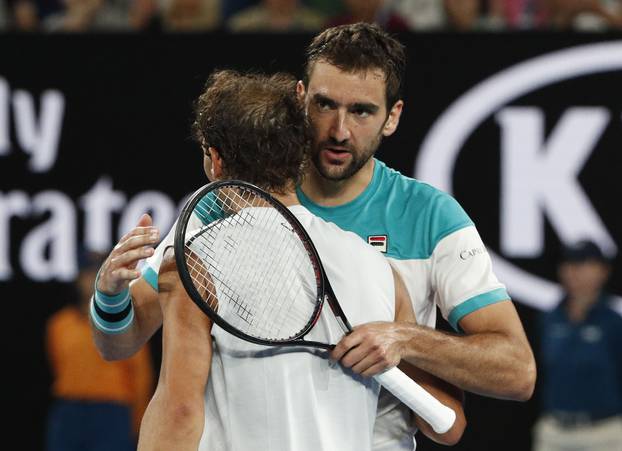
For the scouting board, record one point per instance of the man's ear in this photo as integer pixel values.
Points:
(216, 162)
(394, 118)
(301, 90)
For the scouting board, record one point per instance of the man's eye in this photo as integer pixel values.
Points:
(361, 112)
(323, 105)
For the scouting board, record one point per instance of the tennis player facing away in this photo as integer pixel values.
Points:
(252, 127)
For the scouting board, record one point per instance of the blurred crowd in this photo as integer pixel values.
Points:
(240, 16)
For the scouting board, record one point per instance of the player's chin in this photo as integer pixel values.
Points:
(336, 175)
(334, 171)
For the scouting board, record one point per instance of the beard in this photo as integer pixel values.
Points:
(338, 173)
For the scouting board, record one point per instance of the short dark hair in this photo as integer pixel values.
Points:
(258, 126)
(582, 251)
(359, 47)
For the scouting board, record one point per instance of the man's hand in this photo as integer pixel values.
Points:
(119, 269)
(372, 348)
(114, 276)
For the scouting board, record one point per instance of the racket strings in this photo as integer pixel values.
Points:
(203, 280)
(284, 298)
(208, 267)
(303, 291)
(250, 266)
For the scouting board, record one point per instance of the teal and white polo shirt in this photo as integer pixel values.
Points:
(427, 237)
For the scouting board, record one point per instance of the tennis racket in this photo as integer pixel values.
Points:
(252, 268)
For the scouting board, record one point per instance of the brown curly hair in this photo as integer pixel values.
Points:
(258, 126)
(360, 47)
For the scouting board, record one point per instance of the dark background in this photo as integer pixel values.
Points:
(128, 108)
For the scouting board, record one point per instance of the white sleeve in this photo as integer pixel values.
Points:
(462, 276)
(151, 267)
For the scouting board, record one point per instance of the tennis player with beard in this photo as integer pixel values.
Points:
(254, 128)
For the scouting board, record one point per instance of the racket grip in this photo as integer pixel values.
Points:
(430, 409)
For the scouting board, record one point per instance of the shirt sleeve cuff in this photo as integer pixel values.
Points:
(476, 303)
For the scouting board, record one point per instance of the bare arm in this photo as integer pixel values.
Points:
(115, 275)
(143, 384)
(175, 416)
(493, 358)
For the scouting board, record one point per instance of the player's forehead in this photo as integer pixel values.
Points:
(347, 87)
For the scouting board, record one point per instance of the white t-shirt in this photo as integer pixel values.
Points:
(282, 399)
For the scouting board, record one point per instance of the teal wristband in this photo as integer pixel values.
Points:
(112, 304)
(112, 314)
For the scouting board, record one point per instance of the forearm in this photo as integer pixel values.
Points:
(119, 346)
(171, 423)
(487, 363)
(493, 358)
(448, 395)
(175, 417)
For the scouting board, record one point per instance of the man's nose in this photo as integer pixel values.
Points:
(339, 130)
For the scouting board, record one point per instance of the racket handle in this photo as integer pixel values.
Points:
(430, 409)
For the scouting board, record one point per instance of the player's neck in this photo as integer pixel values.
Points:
(332, 193)
(288, 199)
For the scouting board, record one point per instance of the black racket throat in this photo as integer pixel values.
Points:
(234, 205)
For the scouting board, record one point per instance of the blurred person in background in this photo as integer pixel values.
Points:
(75, 16)
(25, 16)
(584, 15)
(144, 15)
(520, 14)
(39, 9)
(232, 7)
(421, 14)
(329, 8)
(90, 15)
(379, 12)
(276, 16)
(581, 359)
(476, 15)
(97, 404)
(463, 15)
(191, 15)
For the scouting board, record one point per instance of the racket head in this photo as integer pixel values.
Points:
(250, 265)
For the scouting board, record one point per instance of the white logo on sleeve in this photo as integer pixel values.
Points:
(469, 253)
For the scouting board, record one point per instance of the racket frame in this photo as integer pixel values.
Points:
(324, 291)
